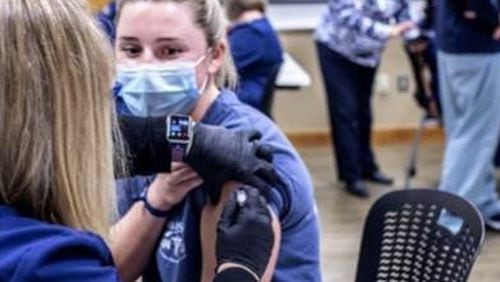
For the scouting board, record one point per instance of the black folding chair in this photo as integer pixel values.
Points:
(403, 240)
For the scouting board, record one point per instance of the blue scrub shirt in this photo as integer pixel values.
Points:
(178, 254)
(257, 53)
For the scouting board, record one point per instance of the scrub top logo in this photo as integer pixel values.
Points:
(172, 247)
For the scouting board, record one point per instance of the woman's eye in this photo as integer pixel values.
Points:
(169, 52)
(131, 51)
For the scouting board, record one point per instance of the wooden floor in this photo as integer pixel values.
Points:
(342, 216)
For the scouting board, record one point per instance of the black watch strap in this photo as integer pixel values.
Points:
(177, 152)
(152, 210)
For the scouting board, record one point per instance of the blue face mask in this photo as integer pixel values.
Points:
(159, 90)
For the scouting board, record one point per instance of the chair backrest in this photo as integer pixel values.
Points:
(268, 98)
(403, 239)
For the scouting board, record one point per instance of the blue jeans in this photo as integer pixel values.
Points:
(470, 96)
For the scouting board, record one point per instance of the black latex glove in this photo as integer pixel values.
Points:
(244, 233)
(149, 151)
(219, 155)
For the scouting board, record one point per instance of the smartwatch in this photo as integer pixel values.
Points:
(179, 135)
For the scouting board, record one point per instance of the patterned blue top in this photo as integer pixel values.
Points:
(359, 29)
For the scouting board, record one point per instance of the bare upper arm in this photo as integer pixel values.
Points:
(208, 232)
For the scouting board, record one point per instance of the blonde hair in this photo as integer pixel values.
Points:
(234, 8)
(56, 120)
(209, 16)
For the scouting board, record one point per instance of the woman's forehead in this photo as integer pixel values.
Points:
(158, 20)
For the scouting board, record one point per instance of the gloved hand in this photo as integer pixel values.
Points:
(244, 234)
(219, 155)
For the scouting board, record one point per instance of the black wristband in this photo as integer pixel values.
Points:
(152, 210)
(234, 274)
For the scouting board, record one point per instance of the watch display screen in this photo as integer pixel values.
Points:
(179, 128)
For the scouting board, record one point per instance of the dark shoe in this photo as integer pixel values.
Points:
(357, 189)
(491, 215)
(492, 223)
(379, 178)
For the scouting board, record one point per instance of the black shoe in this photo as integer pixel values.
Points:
(379, 178)
(357, 189)
(492, 224)
(491, 215)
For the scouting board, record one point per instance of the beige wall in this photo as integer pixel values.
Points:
(304, 110)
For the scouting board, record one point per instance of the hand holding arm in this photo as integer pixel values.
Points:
(220, 155)
(217, 154)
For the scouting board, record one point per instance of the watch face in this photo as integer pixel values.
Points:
(179, 128)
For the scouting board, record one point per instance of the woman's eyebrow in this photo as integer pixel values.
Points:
(128, 38)
(169, 39)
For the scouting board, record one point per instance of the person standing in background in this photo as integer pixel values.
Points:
(350, 40)
(468, 40)
(256, 50)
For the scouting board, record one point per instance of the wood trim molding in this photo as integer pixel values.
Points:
(381, 136)
(97, 5)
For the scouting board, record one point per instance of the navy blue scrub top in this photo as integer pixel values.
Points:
(33, 250)
(256, 52)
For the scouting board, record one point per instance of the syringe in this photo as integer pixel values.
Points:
(241, 197)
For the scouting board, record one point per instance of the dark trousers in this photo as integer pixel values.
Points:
(349, 89)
